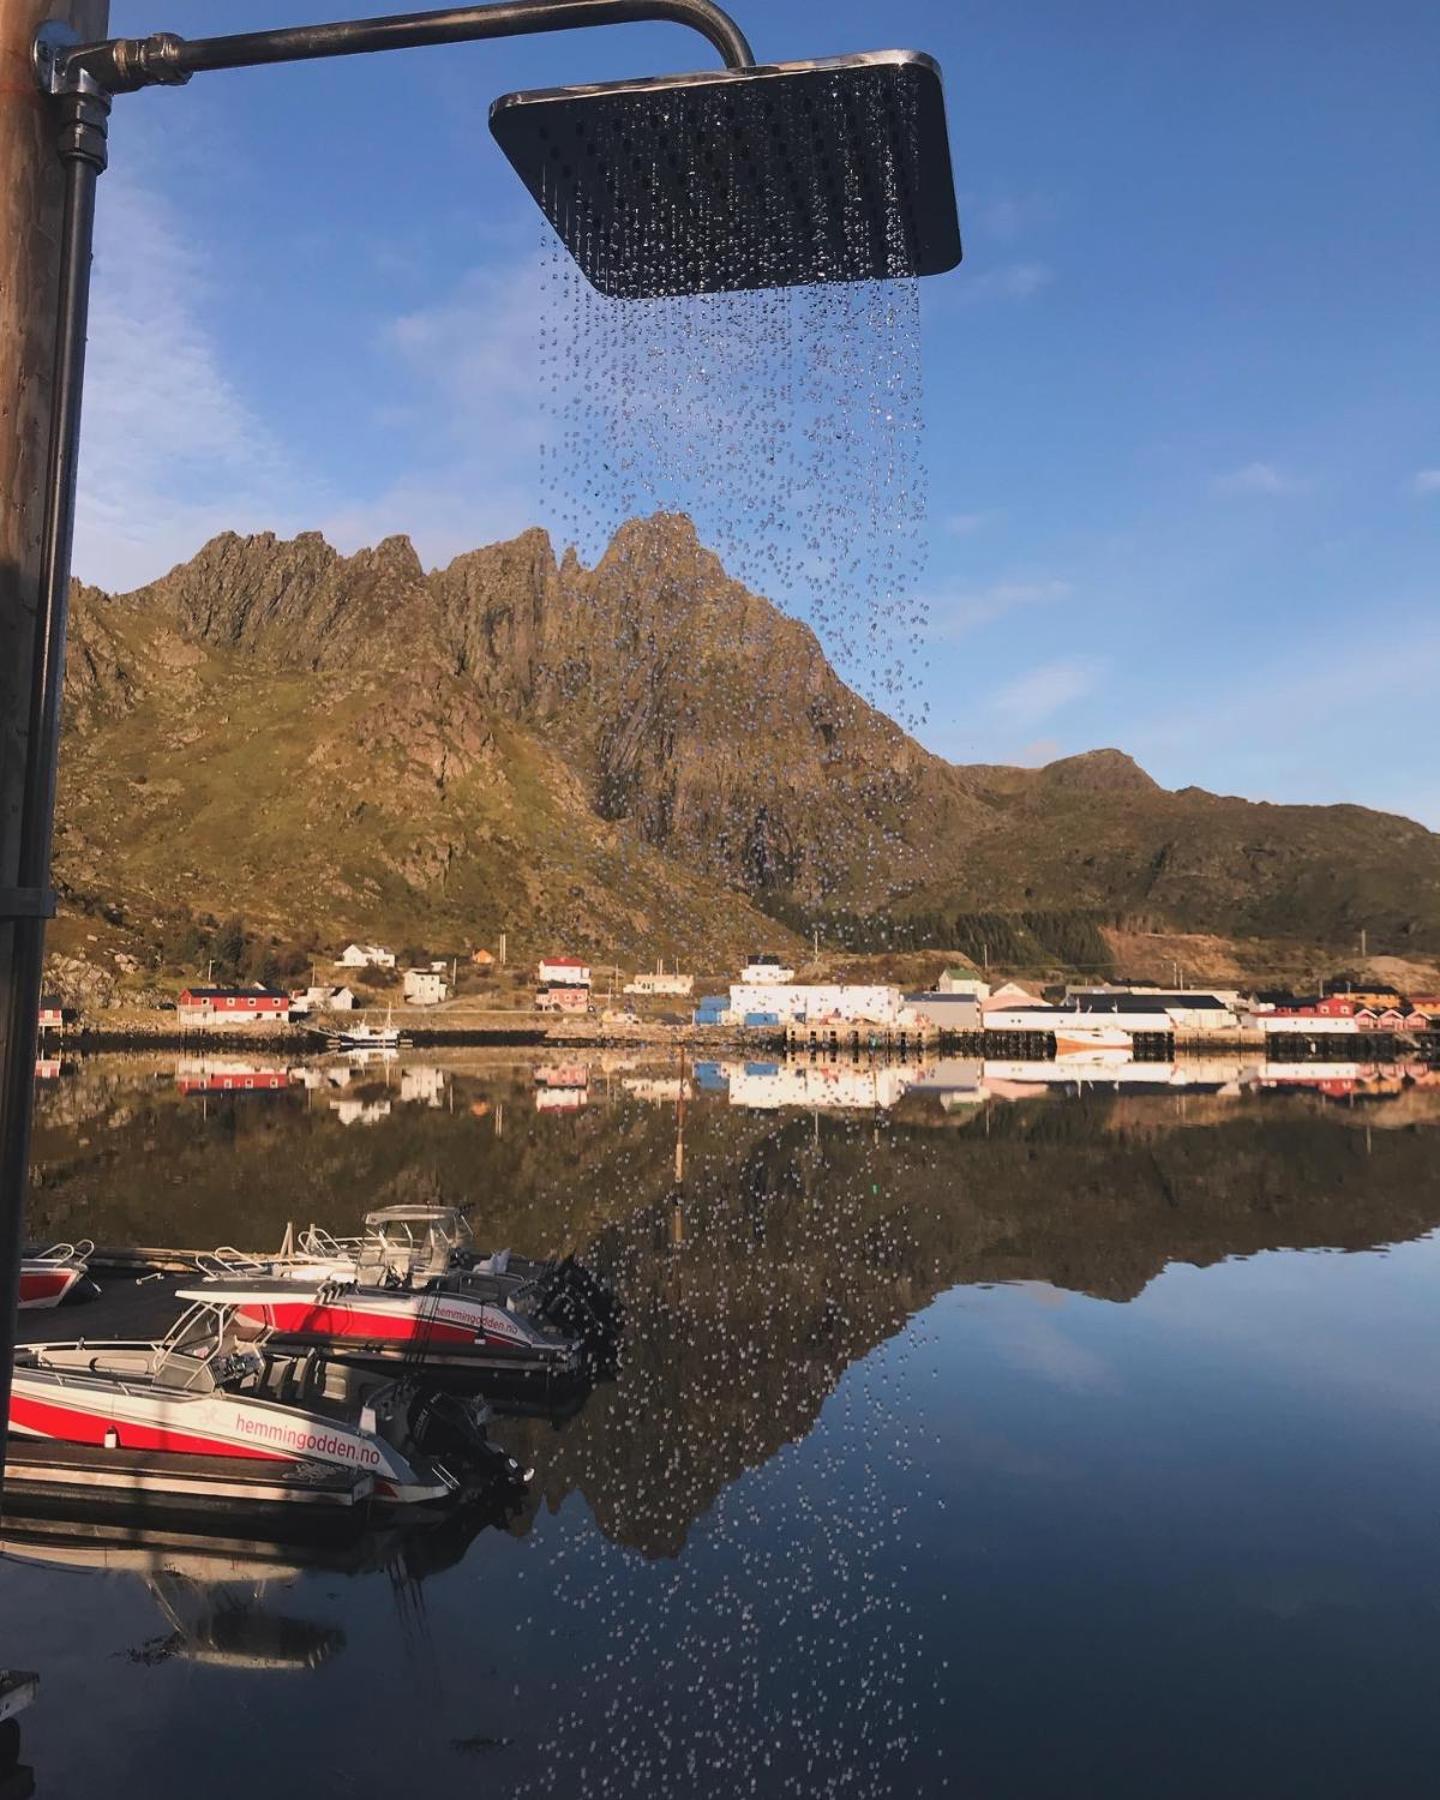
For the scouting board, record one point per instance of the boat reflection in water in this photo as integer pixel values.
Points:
(222, 1599)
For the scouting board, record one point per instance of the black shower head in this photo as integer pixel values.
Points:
(782, 175)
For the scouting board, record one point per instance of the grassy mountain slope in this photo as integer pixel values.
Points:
(642, 756)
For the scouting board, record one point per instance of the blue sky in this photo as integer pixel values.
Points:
(1182, 406)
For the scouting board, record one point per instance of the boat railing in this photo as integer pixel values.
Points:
(314, 1241)
(225, 1262)
(66, 1253)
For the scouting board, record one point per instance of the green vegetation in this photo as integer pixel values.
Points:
(636, 760)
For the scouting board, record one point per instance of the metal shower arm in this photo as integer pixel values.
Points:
(121, 65)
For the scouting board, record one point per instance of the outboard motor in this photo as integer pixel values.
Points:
(583, 1306)
(452, 1427)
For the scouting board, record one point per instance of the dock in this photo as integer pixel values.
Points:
(44, 1478)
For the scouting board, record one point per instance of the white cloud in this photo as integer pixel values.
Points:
(472, 362)
(1426, 481)
(173, 453)
(170, 450)
(966, 524)
(1259, 478)
(1007, 281)
(953, 615)
(1037, 695)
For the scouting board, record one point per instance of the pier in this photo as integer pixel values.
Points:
(44, 1477)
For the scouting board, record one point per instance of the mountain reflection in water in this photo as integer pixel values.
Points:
(905, 1374)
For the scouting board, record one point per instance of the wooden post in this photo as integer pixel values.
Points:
(32, 192)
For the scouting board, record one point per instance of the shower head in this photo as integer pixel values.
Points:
(784, 175)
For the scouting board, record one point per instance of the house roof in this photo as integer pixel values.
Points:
(235, 993)
(564, 962)
(1148, 1003)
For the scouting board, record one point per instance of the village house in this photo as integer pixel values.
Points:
(425, 987)
(366, 956)
(764, 969)
(563, 971)
(1190, 1010)
(225, 1007)
(961, 981)
(678, 985)
(323, 999)
(567, 999)
(52, 1012)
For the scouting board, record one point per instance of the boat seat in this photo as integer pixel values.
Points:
(336, 1383)
(134, 1363)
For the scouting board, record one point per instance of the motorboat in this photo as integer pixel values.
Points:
(49, 1276)
(365, 1036)
(395, 1324)
(217, 1386)
(413, 1286)
(1081, 1041)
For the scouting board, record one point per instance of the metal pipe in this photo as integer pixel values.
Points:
(83, 121)
(124, 64)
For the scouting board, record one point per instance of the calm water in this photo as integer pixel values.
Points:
(981, 1436)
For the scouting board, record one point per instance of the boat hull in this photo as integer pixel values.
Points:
(121, 1415)
(436, 1329)
(43, 1285)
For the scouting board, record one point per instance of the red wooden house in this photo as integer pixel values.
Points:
(233, 1006)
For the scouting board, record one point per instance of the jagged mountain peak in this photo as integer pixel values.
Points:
(527, 729)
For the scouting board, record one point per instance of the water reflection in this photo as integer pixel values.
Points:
(945, 1384)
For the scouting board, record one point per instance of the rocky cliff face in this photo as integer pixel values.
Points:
(641, 754)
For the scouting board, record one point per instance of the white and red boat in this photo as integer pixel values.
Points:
(393, 1325)
(49, 1276)
(1078, 1040)
(216, 1387)
(412, 1289)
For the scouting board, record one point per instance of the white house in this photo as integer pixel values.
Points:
(563, 971)
(366, 956)
(661, 984)
(424, 987)
(322, 999)
(762, 969)
(816, 1004)
(959, 981)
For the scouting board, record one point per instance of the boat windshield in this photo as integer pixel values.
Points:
(420, 1236)
(201, 1352)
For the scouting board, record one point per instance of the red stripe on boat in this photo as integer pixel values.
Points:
(298, 1318)
(69, 1426)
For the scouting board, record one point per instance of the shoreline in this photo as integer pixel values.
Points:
(987, 1046)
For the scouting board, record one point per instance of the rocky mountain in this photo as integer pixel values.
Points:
(642, 756)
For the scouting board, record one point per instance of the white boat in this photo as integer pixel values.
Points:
(365, 1036)
(412, 1288)
(215, 1387)
(49, 1276)
(1075, 1042)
